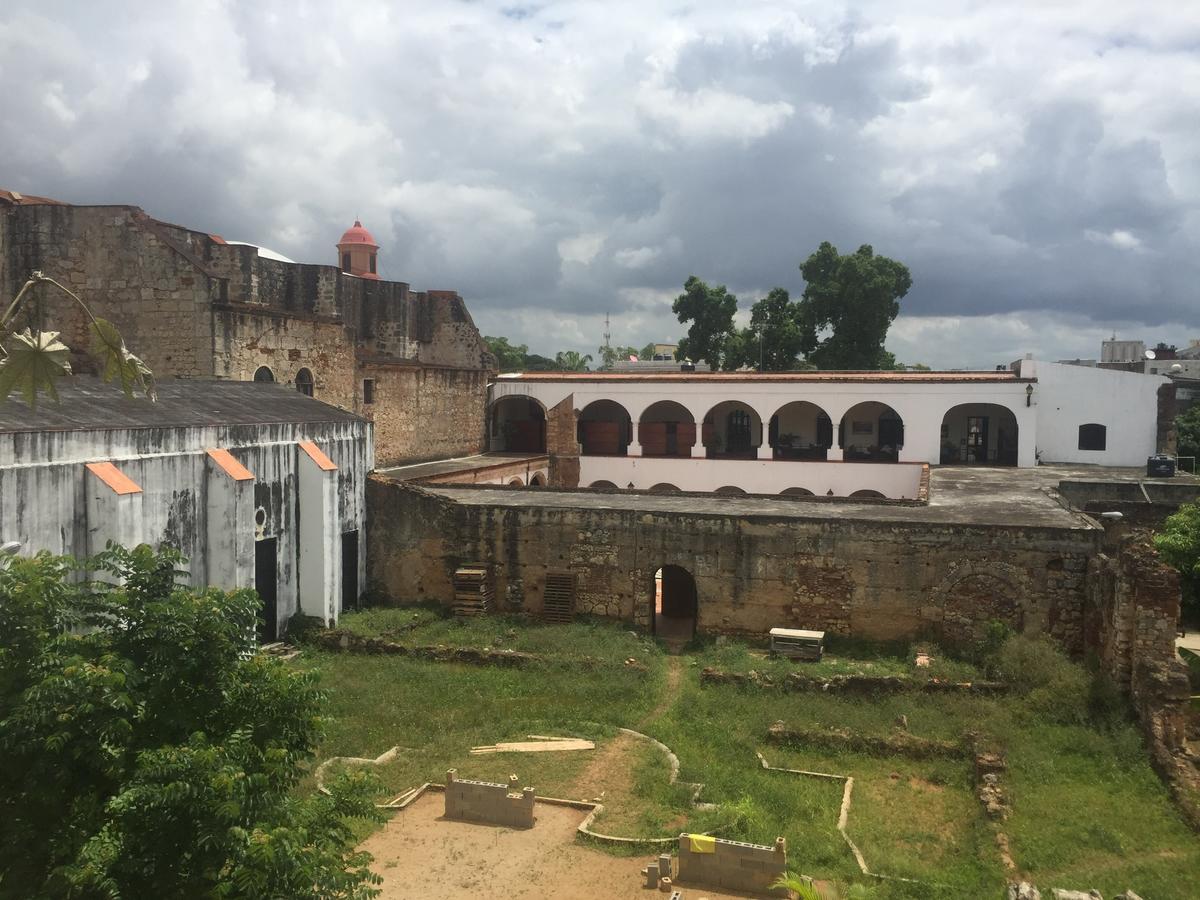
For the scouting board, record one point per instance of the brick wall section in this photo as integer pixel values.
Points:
(487, 802)
(868, 579)
(191, 304)
(1167, 410)
(562, 444)
(733, 866)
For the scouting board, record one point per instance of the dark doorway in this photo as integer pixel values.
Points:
(977, 439)
(672, 439)
(349, 570)
(675, 604)
(266, 581)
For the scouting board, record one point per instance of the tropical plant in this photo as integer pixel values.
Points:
(32, 359)
(572, 361)
(149, 752)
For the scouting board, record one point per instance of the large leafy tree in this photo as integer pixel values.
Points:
(149, 752)
(1179, 544)
(572, 361)
(31, 360)
(849, 303)
(509, 357)
(1187, 430)
(710, 311)
(774, 339)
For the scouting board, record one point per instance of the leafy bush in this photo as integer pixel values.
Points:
(148, 752)
(1055, 688)
(1179, 544)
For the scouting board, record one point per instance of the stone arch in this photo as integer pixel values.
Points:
(979, 434)
(604, 428)
(537, 480)
(800, 429)
(730, 490)
(603, 485)
(676, 606)
(871, 430)
(666, 428)
(973, 594)
(517, 424)
(264, 375)
(304, 382)
(867, 492)
(664, 488)
(796, 492)
(732, 429)
(516, 481)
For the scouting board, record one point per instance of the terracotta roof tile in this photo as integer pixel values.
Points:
(324, 463)
(230, 466)
(114, 478)
(1002, 377)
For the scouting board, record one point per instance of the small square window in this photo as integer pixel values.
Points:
(368, 390)
(1093, 437)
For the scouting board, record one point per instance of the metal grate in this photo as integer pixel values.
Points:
(558, 601)
(473, 592)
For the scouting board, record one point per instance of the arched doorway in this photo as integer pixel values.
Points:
(666, 428)
(518, 425)
(800, 430)
(516, 482)
(304, 382)
(974, 601)
(871, 432)
(675, 604)
(979, 434)
(264, 375)
(536, 480)
(732, 430)
(604, 429)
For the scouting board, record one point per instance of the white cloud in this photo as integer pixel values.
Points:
(636, 257)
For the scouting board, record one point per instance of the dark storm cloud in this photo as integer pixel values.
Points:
(1035, 167)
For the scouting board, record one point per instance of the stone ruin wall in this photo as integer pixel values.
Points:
(873, 580)
(425, 412)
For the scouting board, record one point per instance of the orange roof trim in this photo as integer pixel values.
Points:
(230, 466)
(113, 477)
(324, 463)
(1005, 377)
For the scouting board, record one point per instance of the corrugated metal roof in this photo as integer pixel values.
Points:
(88, 404)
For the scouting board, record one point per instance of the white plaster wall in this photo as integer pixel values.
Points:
(45, 490)
(1125, 402)
(921, 404)
(755, 476)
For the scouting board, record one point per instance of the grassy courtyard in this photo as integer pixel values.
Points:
(1087, 810)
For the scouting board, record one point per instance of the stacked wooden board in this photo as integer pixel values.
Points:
(473, 595)
(558, 600)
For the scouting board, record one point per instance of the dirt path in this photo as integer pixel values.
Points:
(612, 765)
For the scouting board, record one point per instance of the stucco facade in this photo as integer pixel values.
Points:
(258, 486)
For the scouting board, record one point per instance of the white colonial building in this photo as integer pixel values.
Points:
(779, 432)
(258, 485)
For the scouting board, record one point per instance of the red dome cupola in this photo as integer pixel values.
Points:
(357, 251)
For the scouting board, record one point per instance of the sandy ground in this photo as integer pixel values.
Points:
(420, 855)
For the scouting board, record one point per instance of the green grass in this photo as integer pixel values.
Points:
(1087, 809)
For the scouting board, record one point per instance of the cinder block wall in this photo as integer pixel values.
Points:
(733, 865)
(488, 802)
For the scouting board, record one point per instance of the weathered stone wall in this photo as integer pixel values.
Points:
(562, 444)
(124, 270)
(191, 304)
(425, 412)
(869, 579)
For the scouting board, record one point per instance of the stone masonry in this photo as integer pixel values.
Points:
(191, 304)
(860, 577)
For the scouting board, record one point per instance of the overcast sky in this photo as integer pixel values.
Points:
(1035, 165)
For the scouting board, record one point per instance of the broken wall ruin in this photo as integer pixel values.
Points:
(856, 577)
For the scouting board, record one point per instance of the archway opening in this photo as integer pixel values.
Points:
(264, 375)
(867, 492)
(796, 492)
(664, 488)
(730, 490)
(537, 480)
(732, 430)
(979, 434)
(871, 432)
(518, 426)
(675, 604)
(304, 382)
(666, 428)
(800, 430)
(603, 486)
(604, 429)
(516, 482)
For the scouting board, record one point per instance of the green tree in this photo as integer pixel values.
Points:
(710, 311)
(1179, 544)
(149, 752)
(536, 363)
(572, 361)
(1187, 428)
(646, 352)
(774, 338)
(31, 359)
(611, 355)
(509, 357)
(852, 300)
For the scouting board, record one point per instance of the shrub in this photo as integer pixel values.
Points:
(1055, 688)
(149, 752)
